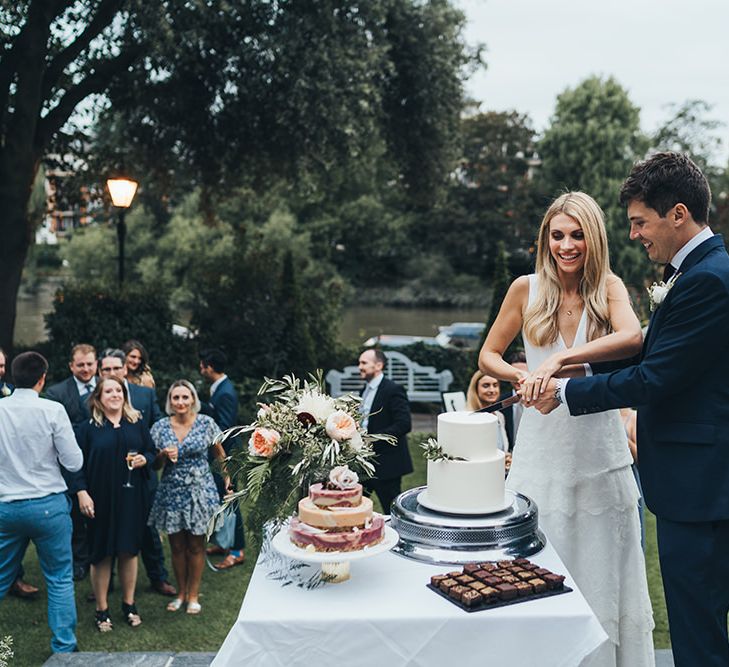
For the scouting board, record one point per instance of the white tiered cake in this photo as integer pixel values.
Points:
(474, 485)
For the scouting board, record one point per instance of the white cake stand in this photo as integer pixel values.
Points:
(334, 564)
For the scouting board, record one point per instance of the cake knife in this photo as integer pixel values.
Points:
(500, 405)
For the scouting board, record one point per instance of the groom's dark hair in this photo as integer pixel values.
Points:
(666, 179)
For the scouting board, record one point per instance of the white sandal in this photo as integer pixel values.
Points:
(194, 608)
(174, 605)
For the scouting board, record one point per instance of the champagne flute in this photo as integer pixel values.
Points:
(130, 466)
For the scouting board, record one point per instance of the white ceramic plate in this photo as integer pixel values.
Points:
(283, 544)
(425, 502)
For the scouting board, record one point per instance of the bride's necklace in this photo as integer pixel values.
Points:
(571, 309)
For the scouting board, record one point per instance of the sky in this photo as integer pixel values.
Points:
(660, 51)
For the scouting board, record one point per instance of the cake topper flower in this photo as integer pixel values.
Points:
(343, 478)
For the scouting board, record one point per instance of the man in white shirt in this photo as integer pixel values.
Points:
(35, 436)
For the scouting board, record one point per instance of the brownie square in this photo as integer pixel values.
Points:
(470, 568)
(489, 567)
(465, 579)
(506, 591)
(480, 574)
(446, 584)
(455, 574)
(457, 591)
(539, 585)
(477, 585)
(521, 562)
(505, 563)
(437, 578)
(523, 589)
(500, 572)
(471, 598)
(529, 567)
(553, 581)
(509, 579)
(525, 575)
(541, 571)
(493, 581)
(489, 594)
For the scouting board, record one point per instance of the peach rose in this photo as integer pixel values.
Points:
(340, 426)
(263, 442)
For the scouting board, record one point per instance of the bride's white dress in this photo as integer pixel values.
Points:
(577, 469)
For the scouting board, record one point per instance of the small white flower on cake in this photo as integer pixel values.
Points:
(340, 426)
(343, 478)
(318, 406)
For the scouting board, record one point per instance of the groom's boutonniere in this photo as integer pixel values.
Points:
(657, 292)
(5, 391)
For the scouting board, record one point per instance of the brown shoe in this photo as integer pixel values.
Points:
(215, 550)
(21, 589)
(164, 588)
(230, 561)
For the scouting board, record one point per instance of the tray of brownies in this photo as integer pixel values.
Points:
(494, 584)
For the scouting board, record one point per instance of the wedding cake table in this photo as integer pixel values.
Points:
(385, 615)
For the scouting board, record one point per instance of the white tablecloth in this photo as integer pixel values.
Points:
(384, 616)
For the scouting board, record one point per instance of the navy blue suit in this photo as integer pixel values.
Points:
(66, 393)
(681, 389)
(390, 415)
(144, 399)
(223, 408)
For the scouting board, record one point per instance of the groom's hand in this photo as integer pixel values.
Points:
(544, 402)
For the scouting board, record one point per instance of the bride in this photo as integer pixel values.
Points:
(572, 312)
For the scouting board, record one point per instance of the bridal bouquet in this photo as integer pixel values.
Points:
(295, 440)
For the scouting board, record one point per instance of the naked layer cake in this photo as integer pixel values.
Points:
(336, 517)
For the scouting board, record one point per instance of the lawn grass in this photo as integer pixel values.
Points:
(221, 596)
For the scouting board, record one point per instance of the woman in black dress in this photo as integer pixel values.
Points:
(114, 499)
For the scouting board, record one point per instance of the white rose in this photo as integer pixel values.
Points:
(317, 405)
(356, 442)
(343, 478)
(340, 426)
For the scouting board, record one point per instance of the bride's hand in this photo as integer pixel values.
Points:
(537, 382)
(521, 376)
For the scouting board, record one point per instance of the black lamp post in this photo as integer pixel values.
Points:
(122, 191)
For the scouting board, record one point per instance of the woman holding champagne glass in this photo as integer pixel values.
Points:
(113, 494)
(187, 497)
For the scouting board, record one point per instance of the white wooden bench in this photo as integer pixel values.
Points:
(423, 384)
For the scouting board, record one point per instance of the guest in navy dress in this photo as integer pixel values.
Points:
(116, 513)
(187, 497)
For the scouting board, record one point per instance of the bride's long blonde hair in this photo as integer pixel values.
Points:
(540, 318)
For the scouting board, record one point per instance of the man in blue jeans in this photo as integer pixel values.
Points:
(35, 436)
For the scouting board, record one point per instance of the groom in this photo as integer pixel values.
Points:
(681, 389)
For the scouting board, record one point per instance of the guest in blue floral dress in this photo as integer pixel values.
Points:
(187, 497)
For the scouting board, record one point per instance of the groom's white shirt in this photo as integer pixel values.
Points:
(676, 260)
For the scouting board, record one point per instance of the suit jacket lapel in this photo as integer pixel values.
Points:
(692, 259)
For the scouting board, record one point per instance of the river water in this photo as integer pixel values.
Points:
(358, 322)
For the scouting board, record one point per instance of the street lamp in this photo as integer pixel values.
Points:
(122, 191)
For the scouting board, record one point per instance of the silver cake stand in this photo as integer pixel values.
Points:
(435, 537)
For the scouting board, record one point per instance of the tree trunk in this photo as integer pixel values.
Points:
(15, 236)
